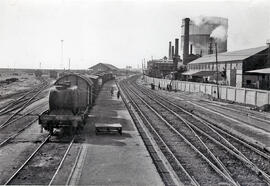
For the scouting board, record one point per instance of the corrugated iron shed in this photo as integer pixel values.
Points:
(239, 55)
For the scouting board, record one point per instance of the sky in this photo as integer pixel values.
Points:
(119, 32)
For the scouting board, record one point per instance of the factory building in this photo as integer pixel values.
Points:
(196, 36)
(161, 68)
(233, 67)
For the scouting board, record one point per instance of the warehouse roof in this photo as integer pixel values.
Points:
(199, 73)
(229, 56)
(111, 67)
(204, 73)
(260, 71)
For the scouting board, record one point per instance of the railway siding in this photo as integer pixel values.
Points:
(225, 147)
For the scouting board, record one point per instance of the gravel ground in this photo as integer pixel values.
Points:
(25, 82)
(15, 153)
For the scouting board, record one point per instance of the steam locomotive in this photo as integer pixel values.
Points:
(70, 99)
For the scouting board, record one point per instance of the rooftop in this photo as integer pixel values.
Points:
(238, 55)
(111, 67)
(260, 71)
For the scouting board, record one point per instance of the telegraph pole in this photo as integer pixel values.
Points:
(217, 70)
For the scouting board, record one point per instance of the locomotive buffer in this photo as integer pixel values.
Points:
(104, 127)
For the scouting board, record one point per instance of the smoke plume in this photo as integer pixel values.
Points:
(219, 33)
(208, 20)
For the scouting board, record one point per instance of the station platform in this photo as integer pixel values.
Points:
(110, 158)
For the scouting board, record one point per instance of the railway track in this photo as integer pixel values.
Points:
(35, 171)
(22, 102)
(210, 140)
(185, 161)
(18, 129)
(18, 106)
(250, 115)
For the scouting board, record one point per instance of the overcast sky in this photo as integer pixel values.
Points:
(117, 32)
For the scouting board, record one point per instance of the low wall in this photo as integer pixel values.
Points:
(241, 95)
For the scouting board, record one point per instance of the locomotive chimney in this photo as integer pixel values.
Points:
(170, 50)
(186, 41)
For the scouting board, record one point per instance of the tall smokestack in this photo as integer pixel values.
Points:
(186, 41)
(176, 47)
(176, 58)
(170, 50)
(210, 50)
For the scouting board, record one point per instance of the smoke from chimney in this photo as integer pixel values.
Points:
(208, 20)
(219, 33)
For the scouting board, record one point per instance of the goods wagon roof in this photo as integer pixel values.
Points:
(229, 56)
(83, 77)
(91, 76)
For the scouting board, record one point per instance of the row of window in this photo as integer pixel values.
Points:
(212, 66)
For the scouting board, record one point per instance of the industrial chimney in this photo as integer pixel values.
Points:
(186, 41)
(210, 50)
(176, 58)
(176, 47)
(268, 51)
(170, 50)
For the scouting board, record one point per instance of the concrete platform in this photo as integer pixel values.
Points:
(110, 158)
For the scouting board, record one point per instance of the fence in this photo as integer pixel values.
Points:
(241, 95)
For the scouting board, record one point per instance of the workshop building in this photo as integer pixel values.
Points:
(232, 66)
